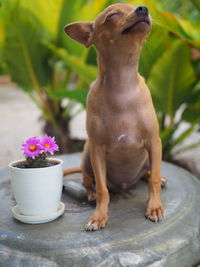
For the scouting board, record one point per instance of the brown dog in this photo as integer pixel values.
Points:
(124, 142)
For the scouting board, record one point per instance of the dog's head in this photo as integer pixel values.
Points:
(119, 25)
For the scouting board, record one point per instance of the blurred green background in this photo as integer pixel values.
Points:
(50, 67)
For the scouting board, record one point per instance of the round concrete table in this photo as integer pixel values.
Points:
(128, 240)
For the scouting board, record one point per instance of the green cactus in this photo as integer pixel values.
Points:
(38, 162)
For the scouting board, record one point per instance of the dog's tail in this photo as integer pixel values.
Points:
(72, 170)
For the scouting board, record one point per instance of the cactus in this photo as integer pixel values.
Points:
(38, 162)
(36, 150)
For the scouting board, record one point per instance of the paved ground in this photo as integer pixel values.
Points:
(19, 119)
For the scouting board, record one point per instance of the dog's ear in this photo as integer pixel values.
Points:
(81, 31)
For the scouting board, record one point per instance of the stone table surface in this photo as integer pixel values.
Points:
(128, 240)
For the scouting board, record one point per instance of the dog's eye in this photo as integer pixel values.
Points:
(113, 14)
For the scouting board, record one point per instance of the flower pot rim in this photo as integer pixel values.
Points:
(16, 162)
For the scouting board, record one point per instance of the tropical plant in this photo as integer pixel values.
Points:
(181, 8)
(51, 67)
(30, 32)
(172, 75)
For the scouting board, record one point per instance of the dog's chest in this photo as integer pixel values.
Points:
(123, 132)
(118, 120)
(124, 141)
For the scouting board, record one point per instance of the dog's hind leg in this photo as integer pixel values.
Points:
(88, 176)
(147, 175)
(88, 182)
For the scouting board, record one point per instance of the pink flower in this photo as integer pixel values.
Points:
(48, 144)
(31, 147)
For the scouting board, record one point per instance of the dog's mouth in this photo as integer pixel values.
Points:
(130, 28)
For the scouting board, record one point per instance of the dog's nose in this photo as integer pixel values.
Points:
(142, 10)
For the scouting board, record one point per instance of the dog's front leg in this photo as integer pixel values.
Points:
(100, 216)
(154, 210)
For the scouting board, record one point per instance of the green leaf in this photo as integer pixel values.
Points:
(91, 9)
(47, 12)
(182, 137)
(87, 72)
(25, 56)
(78, 95)
(192, 110)
(166, 135)
(67, 12)
(1, 32)
(91, 58)
(196, 3)
(156, 44)
(54, 15)
(186, 30)
(171, 78)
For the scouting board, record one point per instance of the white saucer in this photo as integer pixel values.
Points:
(38, 218)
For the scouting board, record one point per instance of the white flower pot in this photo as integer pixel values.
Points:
(37, 190)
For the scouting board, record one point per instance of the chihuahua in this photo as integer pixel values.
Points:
(123, 133)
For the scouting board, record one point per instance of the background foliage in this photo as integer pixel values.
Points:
(51, 67)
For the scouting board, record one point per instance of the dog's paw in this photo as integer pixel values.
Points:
(163, 181)
(155, 211)
(96, 222)
(92, 197)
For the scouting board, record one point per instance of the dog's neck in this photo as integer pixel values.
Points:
(118, 72)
